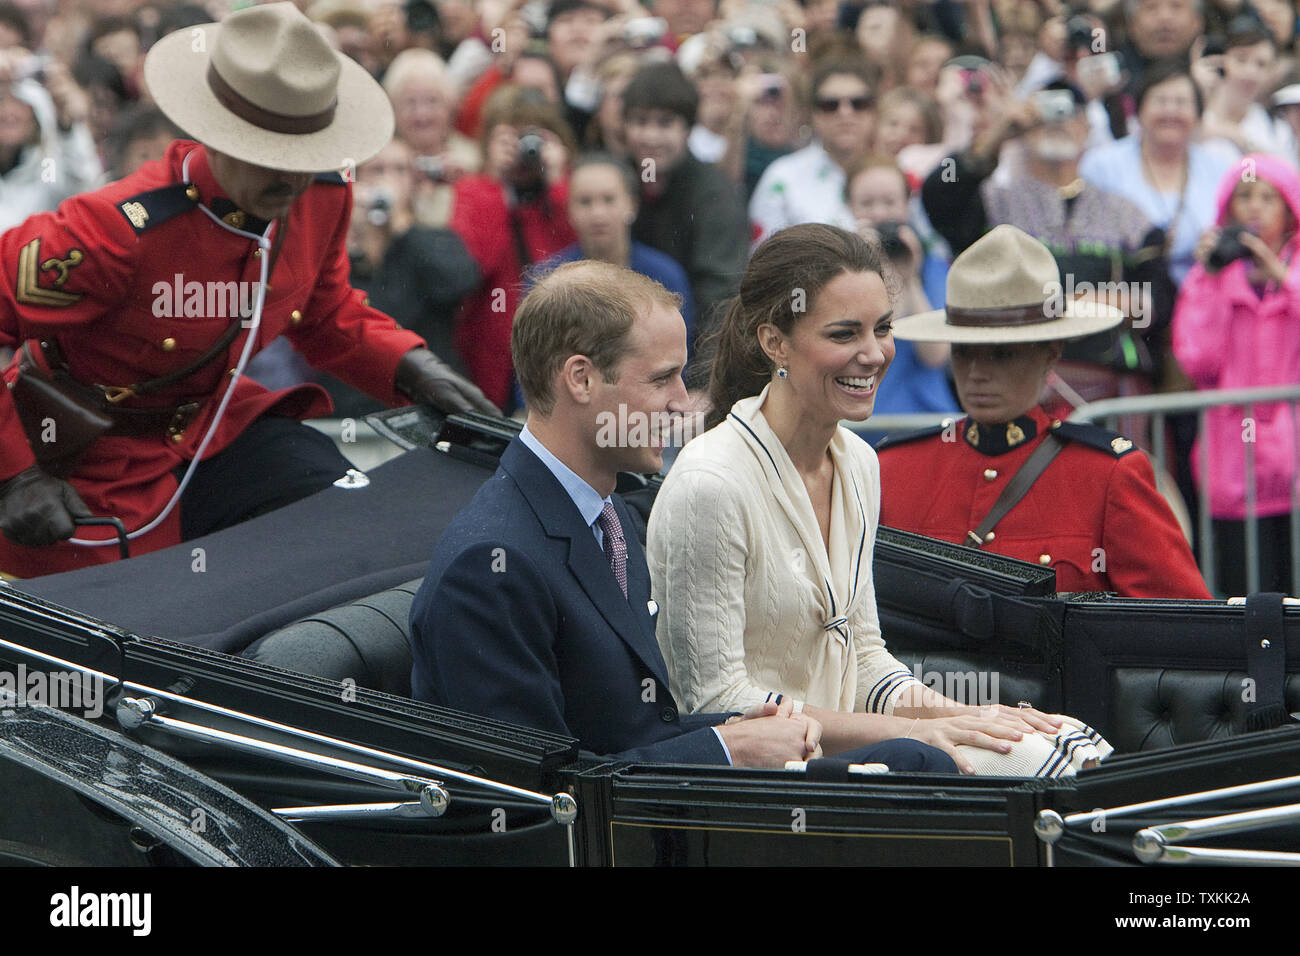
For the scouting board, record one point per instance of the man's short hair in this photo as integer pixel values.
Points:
(580, 308)
(661, 86)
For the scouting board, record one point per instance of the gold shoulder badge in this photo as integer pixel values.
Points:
(1120, 445)
(29, 290)
(136, 213)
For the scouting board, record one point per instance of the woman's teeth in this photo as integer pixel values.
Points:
(857, 384)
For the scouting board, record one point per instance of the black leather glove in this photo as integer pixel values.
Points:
(37, 510)
(427, 379)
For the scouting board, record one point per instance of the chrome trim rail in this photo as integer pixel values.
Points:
(1156, 844)
(563, 807)
(1050, 825)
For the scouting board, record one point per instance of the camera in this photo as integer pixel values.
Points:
(891, 241)
(1078, 33)
(642, 32)
(1227, 250)
(380, 209)
(431, 167)
(1054, 106)
(971, 69)
(528, 173)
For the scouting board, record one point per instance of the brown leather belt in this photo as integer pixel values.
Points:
(172, 419)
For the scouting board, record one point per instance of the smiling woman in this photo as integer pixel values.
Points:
(760, 541)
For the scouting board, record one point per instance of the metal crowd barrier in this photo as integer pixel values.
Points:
(1156, 409)
(1109, 410)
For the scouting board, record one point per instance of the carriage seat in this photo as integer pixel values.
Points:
(367, 640)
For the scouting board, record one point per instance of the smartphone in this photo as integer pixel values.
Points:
(1054, 105)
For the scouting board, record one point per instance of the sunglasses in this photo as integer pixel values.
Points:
(831, 104)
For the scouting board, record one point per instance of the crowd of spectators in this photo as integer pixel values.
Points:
(1101, 127)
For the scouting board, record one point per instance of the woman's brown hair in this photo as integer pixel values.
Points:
(781, 284)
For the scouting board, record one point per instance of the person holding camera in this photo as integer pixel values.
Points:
(423, 94)
(877, 194)
(509, 216)
(1235, 327)
(1103, 243)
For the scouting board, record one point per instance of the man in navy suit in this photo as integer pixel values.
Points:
(536, 609)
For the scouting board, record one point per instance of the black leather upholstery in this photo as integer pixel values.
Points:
(1164, 707)
(367, 641)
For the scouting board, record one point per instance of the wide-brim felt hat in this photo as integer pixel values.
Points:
(265, 87)
(1006, 287)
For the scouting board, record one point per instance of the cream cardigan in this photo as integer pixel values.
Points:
(751, 604)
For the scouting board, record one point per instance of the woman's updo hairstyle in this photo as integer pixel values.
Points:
(784, 277)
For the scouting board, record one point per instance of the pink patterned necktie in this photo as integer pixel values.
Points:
(615, 544)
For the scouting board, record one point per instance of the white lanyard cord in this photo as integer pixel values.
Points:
(264, 243)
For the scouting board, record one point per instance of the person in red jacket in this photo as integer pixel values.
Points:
(510, 217)
(1092, 512)
(150, 295)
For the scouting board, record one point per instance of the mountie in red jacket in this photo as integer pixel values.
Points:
(1094, 515)
(134, 281)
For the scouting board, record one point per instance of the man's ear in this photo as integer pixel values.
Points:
(772, 342)
(577, 376)
(1054, 351)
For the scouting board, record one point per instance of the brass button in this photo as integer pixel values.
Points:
(990, 474)
(295, 317)
(1056, 423)
(1044, 559)
(236, 218)
(168, 344)
(177, 437)
(192, 192)
(257, 253)
(366, 300)
(990, 536)
(231, 372)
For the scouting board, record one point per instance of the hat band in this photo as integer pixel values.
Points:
(1012, 315)
(265, 119)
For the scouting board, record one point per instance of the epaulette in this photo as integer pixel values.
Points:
(333, 178)
(1094, 436)
(899, 438)
(156, 206)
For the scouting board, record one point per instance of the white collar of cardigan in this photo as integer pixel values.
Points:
(747, 419)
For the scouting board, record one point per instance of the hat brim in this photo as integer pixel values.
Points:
(176, 74)
(1078, 319)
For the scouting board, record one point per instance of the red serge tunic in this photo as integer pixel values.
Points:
(100, 276)
(1094, 515)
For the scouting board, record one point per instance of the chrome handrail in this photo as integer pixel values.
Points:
(563, 806)
(1051, 826)
(1157, 844)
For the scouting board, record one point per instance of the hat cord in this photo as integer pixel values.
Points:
(264, 242)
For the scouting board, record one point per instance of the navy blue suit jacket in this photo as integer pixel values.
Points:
(520, 618)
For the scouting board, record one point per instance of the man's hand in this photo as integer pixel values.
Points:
(427, 379)
(771, 734)
(37, 510)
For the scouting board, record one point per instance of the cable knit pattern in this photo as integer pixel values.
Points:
(751, 604)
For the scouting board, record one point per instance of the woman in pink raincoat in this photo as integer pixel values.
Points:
(1238, 326)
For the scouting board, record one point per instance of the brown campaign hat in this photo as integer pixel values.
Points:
(1006, 287)
(265, 87)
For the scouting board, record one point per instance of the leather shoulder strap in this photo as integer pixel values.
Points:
(1016, 488)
